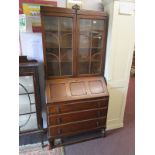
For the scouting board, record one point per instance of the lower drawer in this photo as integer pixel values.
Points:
(76, 116)
(73, 128)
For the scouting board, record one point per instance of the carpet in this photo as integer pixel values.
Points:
(36, 149)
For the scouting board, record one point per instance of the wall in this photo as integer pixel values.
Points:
(93, 5)
(120, 46)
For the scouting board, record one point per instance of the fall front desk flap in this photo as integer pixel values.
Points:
(75, 88)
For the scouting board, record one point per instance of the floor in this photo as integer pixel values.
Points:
(119, 141)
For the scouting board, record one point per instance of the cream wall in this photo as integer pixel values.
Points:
(120, 46)
(87, 4)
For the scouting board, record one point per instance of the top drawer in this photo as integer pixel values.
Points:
(70, 107)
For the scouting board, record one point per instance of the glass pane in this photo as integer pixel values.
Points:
(98, 25)
(84, 57)
(27, 107)
(65, 24)
(83, 54)
(51, 31)
(66, 54)
(96, 60)
(66, 61)
(97, 40)
(95, 67)
(66, 68)
(59, 45)
(65, 32)
(96, 54)
(85, 24)
(28, 122)
(53, 68)
(84, 67)
(27, 82)
(24, 104)
(52, 56)
(84, 41)
(66, 45)
(50, 23)
(52, 39)
(90, 46)
(66, 39)
(84, 46)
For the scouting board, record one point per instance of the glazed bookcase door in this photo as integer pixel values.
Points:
(91, 33)
(58, 45)
(27, 104)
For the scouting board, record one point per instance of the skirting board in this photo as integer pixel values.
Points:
(114, 126)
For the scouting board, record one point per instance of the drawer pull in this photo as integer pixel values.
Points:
(59, 131)
(58, 109)
(59, 120)
(97, 124)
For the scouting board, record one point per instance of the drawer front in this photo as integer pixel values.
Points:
(71, 129)
(70, 107)
(76, 116)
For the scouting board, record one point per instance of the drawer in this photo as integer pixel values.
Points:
(76, 116)
(74, 128)
(77, 106)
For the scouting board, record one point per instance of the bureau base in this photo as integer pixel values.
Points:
(77, 138)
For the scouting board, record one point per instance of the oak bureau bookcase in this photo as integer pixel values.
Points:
(74, 43)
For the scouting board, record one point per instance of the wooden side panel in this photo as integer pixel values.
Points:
(96, 87)
(78, 88)
(58, 90)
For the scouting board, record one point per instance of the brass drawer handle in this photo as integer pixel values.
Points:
(59, 120)
(59, 131)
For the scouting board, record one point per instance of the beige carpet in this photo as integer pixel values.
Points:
(36, 149)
